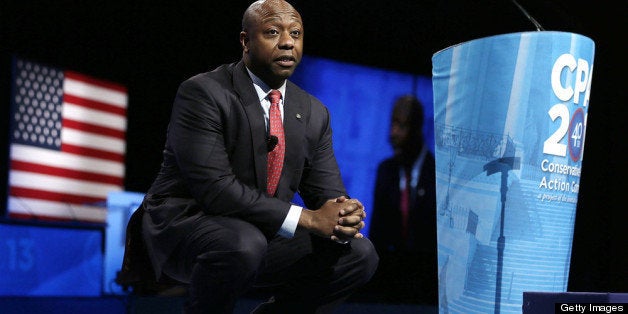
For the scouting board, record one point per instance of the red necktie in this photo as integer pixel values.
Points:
(275, 157)
(405, 206)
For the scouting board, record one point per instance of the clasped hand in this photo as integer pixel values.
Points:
(339, 219)
(350, 221)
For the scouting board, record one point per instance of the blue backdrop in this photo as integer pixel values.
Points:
(360, 100)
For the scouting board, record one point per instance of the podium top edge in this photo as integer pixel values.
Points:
(515, 34)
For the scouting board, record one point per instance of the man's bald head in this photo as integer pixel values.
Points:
(260, 8)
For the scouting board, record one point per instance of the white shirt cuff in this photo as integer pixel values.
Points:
(289, 225)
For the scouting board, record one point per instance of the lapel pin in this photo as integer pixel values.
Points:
(298, 116)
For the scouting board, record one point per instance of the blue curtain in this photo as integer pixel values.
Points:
(360, 100)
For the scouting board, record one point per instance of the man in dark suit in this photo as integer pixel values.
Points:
(403, 222)
(210, 218)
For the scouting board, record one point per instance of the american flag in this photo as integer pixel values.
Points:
(67, 144)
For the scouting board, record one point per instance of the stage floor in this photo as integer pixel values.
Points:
(165, 305)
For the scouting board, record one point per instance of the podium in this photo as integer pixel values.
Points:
(509, 122)
(120, 207)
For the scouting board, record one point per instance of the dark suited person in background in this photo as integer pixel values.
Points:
(403, 222)
(215, 220)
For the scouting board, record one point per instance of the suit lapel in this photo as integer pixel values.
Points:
(294, 128)
(255, 116)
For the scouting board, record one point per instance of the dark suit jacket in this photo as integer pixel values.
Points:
(214, 161)
(385, 224)
(407, 268)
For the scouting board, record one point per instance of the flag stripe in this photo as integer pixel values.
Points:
(25, 207)
(95, 117)
(93, 141)
(52, 158)
(82, 126)
(54, 217)
(97, 90)
(94, 81)
(92, 104)
(49, 183)
(31, 215)
(63, 172)
(54, 196)
(89, 152)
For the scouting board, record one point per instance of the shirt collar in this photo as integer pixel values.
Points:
(262, 88)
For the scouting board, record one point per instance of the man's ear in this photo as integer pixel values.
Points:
(244, 41)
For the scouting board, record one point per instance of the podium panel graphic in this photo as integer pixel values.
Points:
(510, 116)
